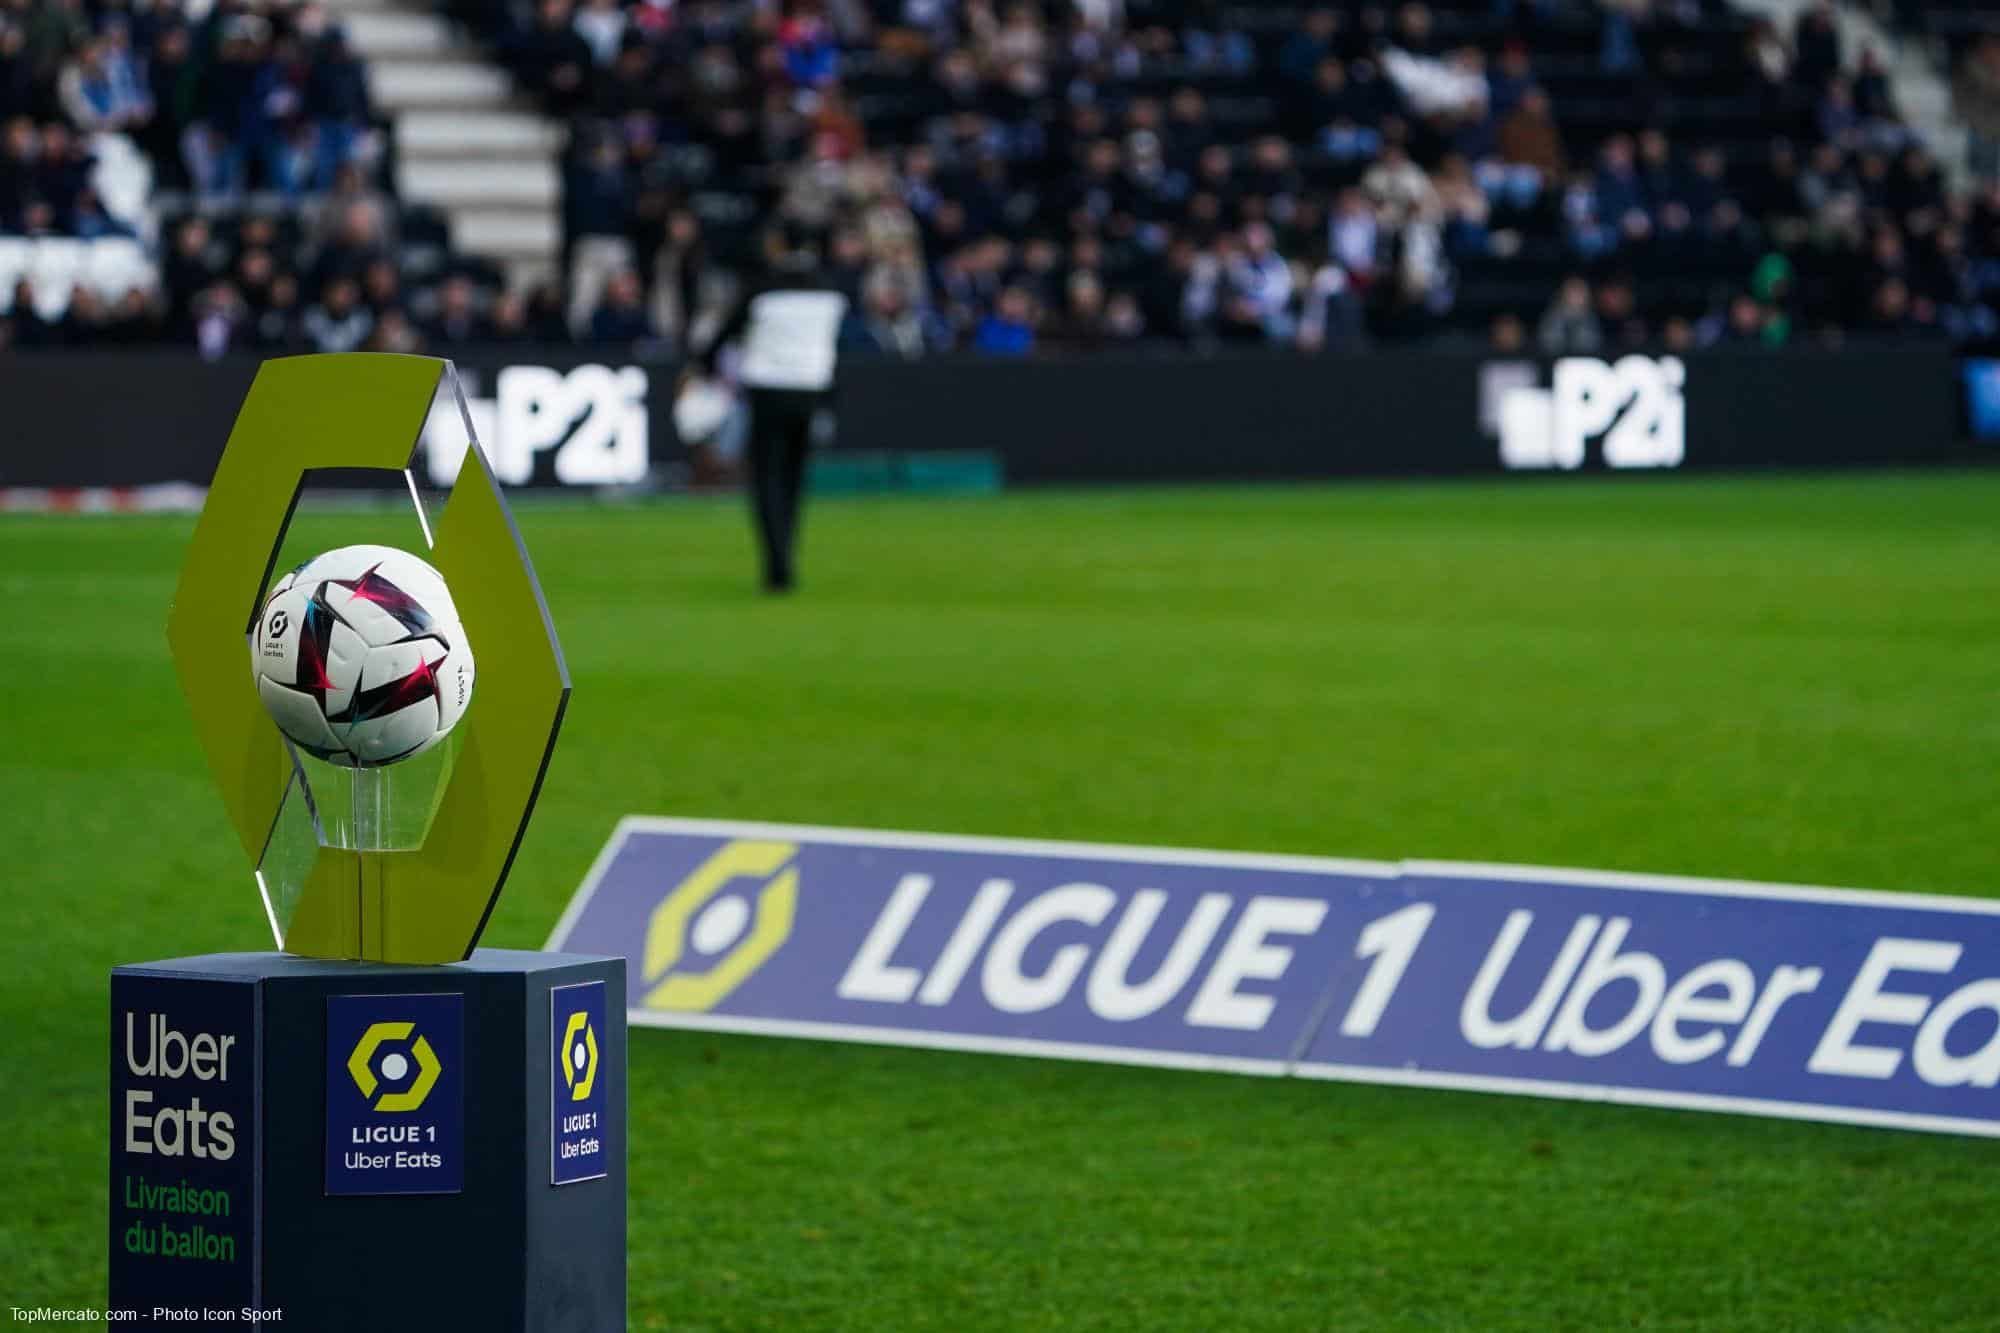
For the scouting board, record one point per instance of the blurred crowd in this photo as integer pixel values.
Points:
(1006, 176)
(108, 108)
(1001, 175)
(223, 98)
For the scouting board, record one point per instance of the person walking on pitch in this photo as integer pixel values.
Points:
(788, 326)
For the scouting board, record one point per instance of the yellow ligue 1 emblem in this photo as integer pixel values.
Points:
(703, 939)
(394, 1066)
(579, 1063)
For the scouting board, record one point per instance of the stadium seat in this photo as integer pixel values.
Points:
(123, 179)
(15, 253)
(55, 269)
(117, 265)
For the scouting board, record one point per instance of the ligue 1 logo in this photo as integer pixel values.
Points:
(378, 1060)
(707, 935)
(579, 1064)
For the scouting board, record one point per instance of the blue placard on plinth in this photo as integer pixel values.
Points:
(184, 1147)
(576, 1091)
(395, 1093)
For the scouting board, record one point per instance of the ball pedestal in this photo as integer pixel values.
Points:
(343, 1145)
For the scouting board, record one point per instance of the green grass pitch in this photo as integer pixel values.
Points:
(1765, 677)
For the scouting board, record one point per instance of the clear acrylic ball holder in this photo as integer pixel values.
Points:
(386, 809)
(377, 809)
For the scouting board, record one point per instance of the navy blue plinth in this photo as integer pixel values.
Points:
(365, 1145)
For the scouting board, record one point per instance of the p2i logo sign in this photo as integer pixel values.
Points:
(725, 919)
(1633, 409)
(590, 421)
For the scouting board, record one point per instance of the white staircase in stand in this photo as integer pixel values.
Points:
(1920, 90)
(467, 142)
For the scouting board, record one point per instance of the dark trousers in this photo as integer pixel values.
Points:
(780, 436)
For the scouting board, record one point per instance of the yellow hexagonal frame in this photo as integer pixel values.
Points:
(367, 410)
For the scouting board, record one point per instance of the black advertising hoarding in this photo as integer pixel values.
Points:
(570, 418)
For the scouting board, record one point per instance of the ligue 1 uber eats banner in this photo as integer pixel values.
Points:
(1764, 999)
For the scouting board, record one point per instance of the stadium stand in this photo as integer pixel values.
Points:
(1013, 177)
(1003, 178)
(200, 173)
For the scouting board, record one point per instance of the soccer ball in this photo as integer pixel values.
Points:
(359, 657)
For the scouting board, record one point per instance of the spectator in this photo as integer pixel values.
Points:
(1569, 326)
(354, 213)
(20, 153)
(229, 129)
(601, 25)
(1511, 80)
(1399, 189)
(508, 320)
(1872, 93)
(1354, 236)
(339, 322)
(381, 286)
(1464, 207)
(621, 318)
(1618, 317)
(100, 88)
(192, 263)
(1010, 329)
(276, 327)
(457, 319)
(1081, 325)
(1769, 54)
(1895, 315)
(598, 204)
(219, 318)
(546, 320)
(1260, 282)
(62, 170)
(552, 56)
(1303, 53)
(1621, 198)
(1741, 325)
(337, 103)
(1124, 319)
(89, 221)
(393, 332)
(1976, 100)
(1331, 317)
(173, 87)
(1528, 137)
(51, 30)
(17, 84)
(886, 325)
(1816, 44)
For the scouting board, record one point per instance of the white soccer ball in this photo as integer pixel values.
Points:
(360, 658)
